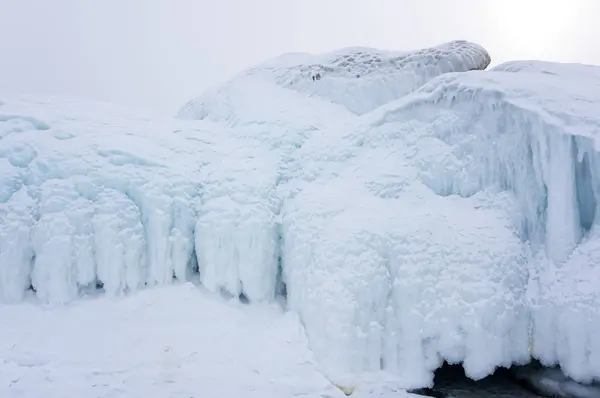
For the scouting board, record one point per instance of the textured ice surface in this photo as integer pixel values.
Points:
(104, 197)
(456, 221)
(460, 226)
(531, 135)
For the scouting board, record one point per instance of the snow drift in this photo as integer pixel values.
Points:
(418, 210)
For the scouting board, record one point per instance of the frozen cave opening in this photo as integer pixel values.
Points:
(528, 381)
(450, 381)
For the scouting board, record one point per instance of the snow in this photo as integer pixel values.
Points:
(175, 342)
(424, 211)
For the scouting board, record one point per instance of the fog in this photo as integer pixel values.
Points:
(156, 55)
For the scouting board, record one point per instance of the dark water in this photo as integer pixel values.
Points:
(451, 382)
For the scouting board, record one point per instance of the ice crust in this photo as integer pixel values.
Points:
(421, 212)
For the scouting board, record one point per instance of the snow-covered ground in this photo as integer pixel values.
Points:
(180, 341)
(414, 208)
(164, 342)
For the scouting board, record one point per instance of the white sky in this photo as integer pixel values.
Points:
(157, 54)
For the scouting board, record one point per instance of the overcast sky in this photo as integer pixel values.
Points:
(157, 54)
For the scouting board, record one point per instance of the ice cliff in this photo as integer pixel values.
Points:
(415, 207)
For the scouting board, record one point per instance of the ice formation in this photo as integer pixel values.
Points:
(418, 210)
(119, 201)
(361, 79)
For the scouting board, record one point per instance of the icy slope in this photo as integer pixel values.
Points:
(359, 79)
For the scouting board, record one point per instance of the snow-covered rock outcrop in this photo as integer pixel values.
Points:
(417, 209)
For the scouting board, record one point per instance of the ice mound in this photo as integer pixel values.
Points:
(359, 79)
(396, 284)
(457, 223)
(532, 136)
(420, 212)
